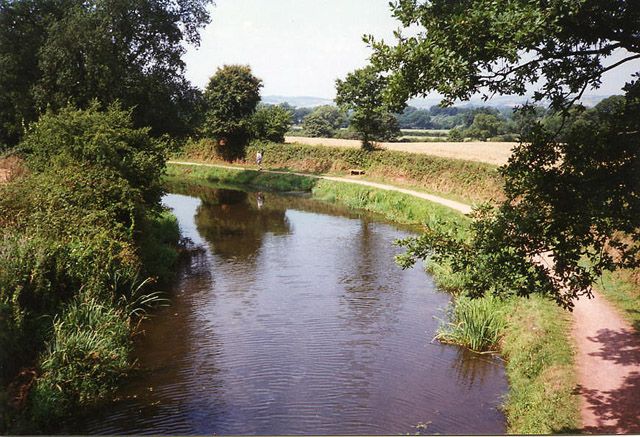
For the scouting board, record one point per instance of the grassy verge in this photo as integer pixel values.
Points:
(398, 207)
(533, 335)
(466, 181)
(76, 247)
(622, 289)
(540, 366)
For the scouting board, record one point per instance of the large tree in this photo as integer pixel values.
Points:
(231, 98)
(573, 193)
(361, 92)
(59, 52)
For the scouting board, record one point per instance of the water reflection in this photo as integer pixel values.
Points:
(235, 226)
(295, 320)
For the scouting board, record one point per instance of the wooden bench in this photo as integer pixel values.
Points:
(356, 171)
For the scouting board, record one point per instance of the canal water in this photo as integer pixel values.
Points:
(294, 319)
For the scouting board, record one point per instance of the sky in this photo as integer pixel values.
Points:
(300, 47)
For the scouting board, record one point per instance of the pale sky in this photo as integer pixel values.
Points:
(300, 47)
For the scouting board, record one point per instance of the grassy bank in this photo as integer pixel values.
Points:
(82, 247)
(533, 335)
(622, 289)
(398, 207)
(466, 181)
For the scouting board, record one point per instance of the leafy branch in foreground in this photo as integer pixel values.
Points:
(572, 211)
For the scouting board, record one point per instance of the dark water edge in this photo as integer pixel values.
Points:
(294, 319)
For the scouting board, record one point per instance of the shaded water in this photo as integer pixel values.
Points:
(295, 320)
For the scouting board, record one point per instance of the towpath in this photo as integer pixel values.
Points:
(607, 346)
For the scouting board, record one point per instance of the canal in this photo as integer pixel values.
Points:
(292, 318)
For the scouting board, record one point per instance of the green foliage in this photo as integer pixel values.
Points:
(484, 126)
(74, 235)
(474, 323)
(322, 121)
(464, 47)
(271, 123)
(362, 92)
(87, 354)
(456, 134)
(572, 187)
(72, 52)
(158, 237)
(466, 180)
(104, 138)
(231, 97)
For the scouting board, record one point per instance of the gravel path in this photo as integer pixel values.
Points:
(480, 151)
(607, 347)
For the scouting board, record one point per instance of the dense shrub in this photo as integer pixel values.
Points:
(106, 139)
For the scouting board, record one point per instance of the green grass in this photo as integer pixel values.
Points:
(534, 337)
(468, 181)
(476, 324)
(243, 178)
(622, 289)
(398, 207)
(540, 367)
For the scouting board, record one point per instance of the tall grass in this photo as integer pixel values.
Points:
(474, 323)
(87, 354)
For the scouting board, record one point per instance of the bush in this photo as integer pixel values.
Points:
(105, 139)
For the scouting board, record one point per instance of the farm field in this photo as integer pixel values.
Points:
(493, 153)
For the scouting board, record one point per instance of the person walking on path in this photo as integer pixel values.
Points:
(259, 159)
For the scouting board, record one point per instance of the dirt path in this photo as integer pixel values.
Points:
(608, 368)
(480, 151)
(607, 347)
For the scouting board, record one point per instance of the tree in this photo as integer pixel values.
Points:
(73, 51)
(572, 193)
(361, 92)
(271, 122)
(322, 121)
(484, 126)
(231, 97)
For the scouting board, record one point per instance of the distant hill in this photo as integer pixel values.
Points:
(298, 101)
(423, 103)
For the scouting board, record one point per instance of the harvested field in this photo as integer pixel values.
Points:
(479, 151)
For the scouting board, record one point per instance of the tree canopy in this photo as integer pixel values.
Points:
(572, 189)
(500, 46)
(231, 98)
(59, 52)
(322, 121)
(361, 92)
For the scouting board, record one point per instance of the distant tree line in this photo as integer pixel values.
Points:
(485, 123)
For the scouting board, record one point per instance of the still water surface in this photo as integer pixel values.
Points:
(294, 319)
